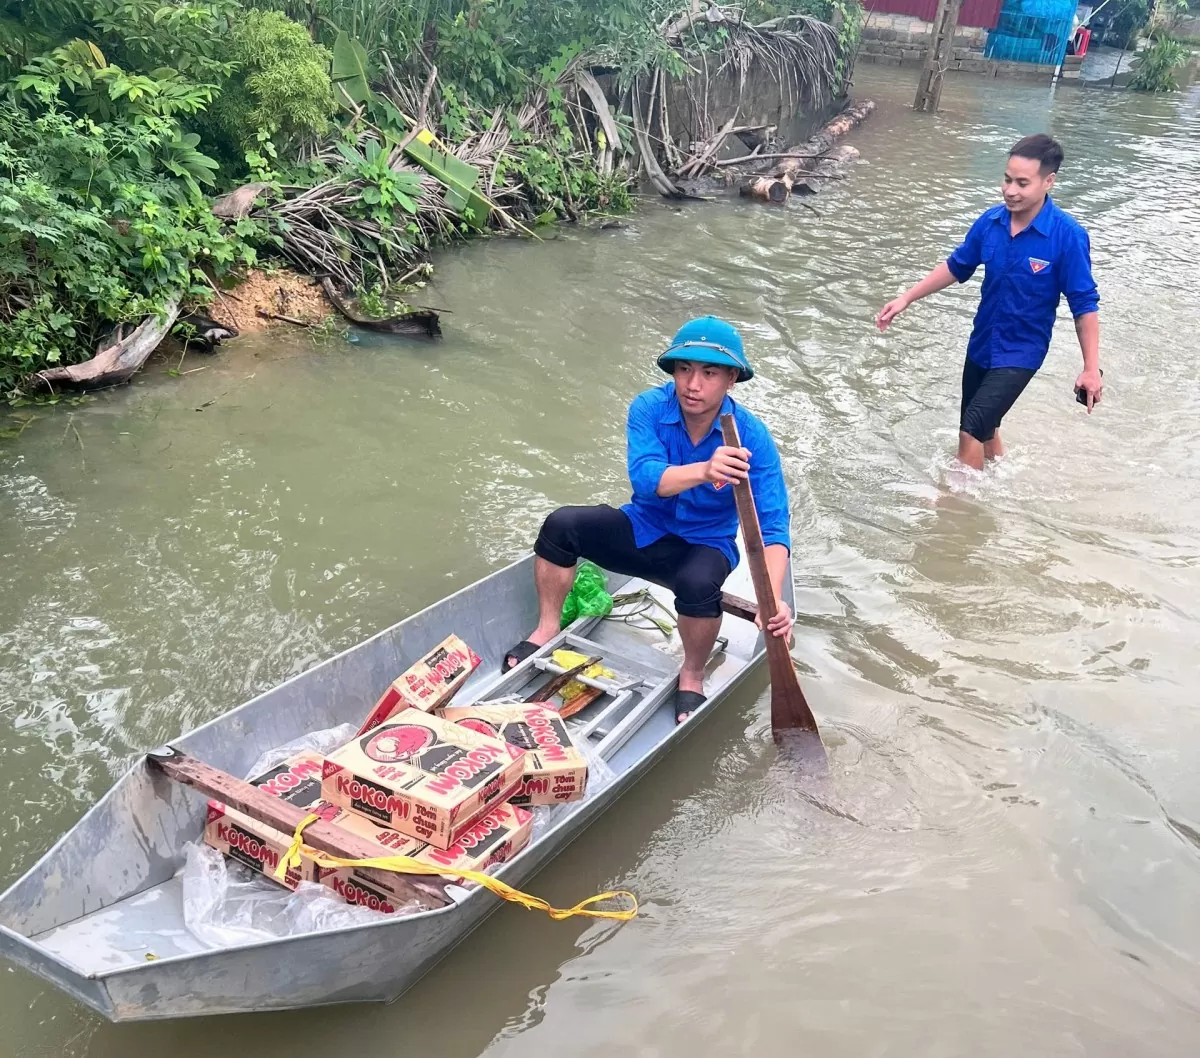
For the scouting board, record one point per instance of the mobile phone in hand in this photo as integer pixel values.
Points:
(1081, 393)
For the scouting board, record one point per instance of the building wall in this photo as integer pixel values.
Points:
(902, 40)
(974, 13)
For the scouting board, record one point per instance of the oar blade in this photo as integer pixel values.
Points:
(803, 750)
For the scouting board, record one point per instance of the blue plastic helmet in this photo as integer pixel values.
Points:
(708, 340)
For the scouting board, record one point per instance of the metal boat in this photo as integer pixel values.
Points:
(101, 914)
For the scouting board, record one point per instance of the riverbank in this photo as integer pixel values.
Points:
(348, 157)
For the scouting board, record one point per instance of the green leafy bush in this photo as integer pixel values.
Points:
(1155, 68)
(281, 87)
(95, 230)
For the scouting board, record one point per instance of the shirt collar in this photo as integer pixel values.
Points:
(1043, 223)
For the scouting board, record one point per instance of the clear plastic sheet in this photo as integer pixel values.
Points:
(323, 742)
(225, 904)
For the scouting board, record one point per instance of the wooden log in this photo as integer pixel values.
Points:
(835, 164)
(832, 131)
(282, 816)
(118, 362)
(776, 185)
(775, 190)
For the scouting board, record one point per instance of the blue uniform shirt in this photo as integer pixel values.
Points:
(657, 438)
(1024, 278)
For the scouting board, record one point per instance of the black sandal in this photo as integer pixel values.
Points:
(686, 703)
(518, 654)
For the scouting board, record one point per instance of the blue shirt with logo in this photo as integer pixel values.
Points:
(1024, 278)
(657, 438)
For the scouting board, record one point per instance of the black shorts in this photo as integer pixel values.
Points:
(987, 394)
(604, 535)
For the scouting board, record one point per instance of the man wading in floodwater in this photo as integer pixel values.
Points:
(679, 528)
(1032, 253)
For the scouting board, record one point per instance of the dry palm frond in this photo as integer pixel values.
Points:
(324, 232)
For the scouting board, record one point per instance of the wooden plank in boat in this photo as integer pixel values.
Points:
(274, 812)
(736, 606)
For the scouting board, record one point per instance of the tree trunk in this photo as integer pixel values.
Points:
(777, 185)
(116, 363)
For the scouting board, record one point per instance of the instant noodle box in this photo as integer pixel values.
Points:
(258, 846)
(495, 837)
(423, 776)
(555, 770)
(430, 683)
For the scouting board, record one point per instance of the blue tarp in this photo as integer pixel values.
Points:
(1033, 31)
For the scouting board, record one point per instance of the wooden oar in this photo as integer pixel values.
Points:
(789, 710)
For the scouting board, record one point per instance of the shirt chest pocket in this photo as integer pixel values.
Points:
(1035, 275)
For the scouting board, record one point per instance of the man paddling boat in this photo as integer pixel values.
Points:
(679, 528)
(1033, 254)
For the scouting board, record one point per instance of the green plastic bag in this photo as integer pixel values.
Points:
(587, 597)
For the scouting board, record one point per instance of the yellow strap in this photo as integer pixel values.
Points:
(407, 865)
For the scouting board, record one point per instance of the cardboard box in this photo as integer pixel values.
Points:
(555, 770)
(495, 838)
(254, 844)
(430, 683)
(258, 846)
(423, 776)
(297, 780)
(348, 882)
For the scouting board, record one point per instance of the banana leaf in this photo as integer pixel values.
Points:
(349, 72)
(459, 177)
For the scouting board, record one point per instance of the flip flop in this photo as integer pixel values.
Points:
(686, 703)
(520, 652)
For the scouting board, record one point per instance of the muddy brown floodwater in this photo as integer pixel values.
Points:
(1005, 856)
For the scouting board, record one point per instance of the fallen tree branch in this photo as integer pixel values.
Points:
(702, 159)
(282, 319)
(653, 170)
(417, 323)
(118, 362)
(763, 158)
(612, 134)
